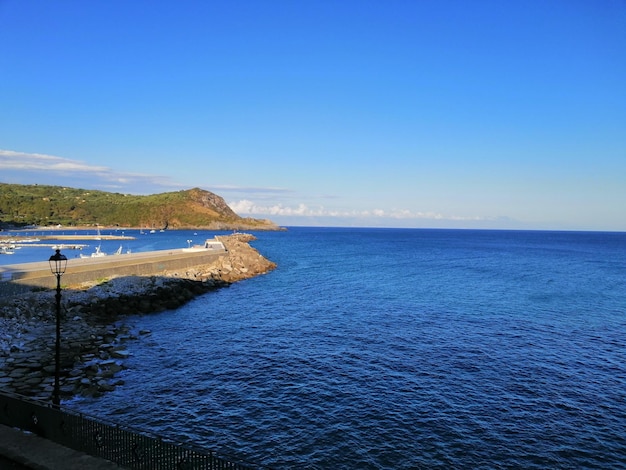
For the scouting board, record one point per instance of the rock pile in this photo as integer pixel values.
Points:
(93, 335)
(91, 355)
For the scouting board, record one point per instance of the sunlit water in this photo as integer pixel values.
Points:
(396, 349)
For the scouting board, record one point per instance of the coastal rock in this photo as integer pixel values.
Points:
(93, 341)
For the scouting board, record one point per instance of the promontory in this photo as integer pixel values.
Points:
(49, 206)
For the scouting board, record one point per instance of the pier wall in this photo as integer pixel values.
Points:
(15, 278)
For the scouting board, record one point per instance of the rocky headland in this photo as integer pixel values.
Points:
(95, 335)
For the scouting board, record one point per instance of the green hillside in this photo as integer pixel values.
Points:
(42, 205)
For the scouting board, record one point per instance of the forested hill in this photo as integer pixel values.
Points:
(42, 205)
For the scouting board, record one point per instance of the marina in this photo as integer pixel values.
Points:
(10, 243)
(54, 246)
(88, 268)
(28, 246)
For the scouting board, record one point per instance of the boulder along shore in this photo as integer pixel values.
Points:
(94, 333)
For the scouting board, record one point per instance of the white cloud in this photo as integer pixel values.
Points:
(61, 169)
(25, 164)
(11, 160)
(247, 207)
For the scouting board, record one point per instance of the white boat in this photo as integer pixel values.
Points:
(7, 249)
(96, 254)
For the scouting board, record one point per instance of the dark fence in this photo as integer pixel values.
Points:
(127, 447)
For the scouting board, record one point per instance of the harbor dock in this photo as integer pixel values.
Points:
(15, 278)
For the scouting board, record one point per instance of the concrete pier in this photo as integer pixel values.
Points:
(81, 270)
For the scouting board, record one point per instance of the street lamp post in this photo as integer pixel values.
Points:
(58, 263)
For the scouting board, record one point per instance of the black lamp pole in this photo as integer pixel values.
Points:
(58, 263)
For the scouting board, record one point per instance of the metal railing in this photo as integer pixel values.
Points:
(125, 446)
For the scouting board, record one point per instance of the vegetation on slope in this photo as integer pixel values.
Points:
(42, 205)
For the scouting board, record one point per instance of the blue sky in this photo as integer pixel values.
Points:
(417, 113)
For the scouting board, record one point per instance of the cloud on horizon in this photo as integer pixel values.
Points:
(247, 207)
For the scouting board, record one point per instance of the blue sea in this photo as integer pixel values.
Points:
(396, 349)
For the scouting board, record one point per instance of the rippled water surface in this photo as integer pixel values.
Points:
(397, 349)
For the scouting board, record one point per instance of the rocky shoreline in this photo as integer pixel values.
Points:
(94, 331)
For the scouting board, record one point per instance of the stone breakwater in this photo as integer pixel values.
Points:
(95, 336)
